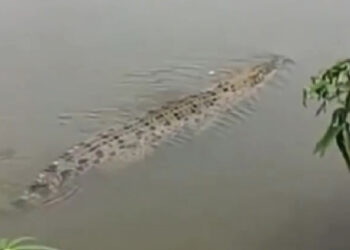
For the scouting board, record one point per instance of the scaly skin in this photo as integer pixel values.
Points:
(141, 136)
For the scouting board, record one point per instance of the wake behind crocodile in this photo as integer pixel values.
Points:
(142, 135)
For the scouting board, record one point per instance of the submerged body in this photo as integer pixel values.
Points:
(142, 135)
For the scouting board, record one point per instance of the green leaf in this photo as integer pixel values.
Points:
(34, 247)
(327, 139)
(18, 241)
(305, 96)
(3, 243)
(321, 108)
(343, 142)
(22, 244)
(347, 102)
(347, 144)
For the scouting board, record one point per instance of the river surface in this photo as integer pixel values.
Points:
(257, 187)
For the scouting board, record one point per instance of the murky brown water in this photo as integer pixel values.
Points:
(256, 187)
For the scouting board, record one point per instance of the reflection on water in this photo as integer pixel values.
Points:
(257, 186)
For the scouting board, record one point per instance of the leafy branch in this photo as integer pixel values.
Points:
(333, 86)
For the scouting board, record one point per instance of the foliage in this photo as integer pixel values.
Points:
(332, 86)
(23, 243)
